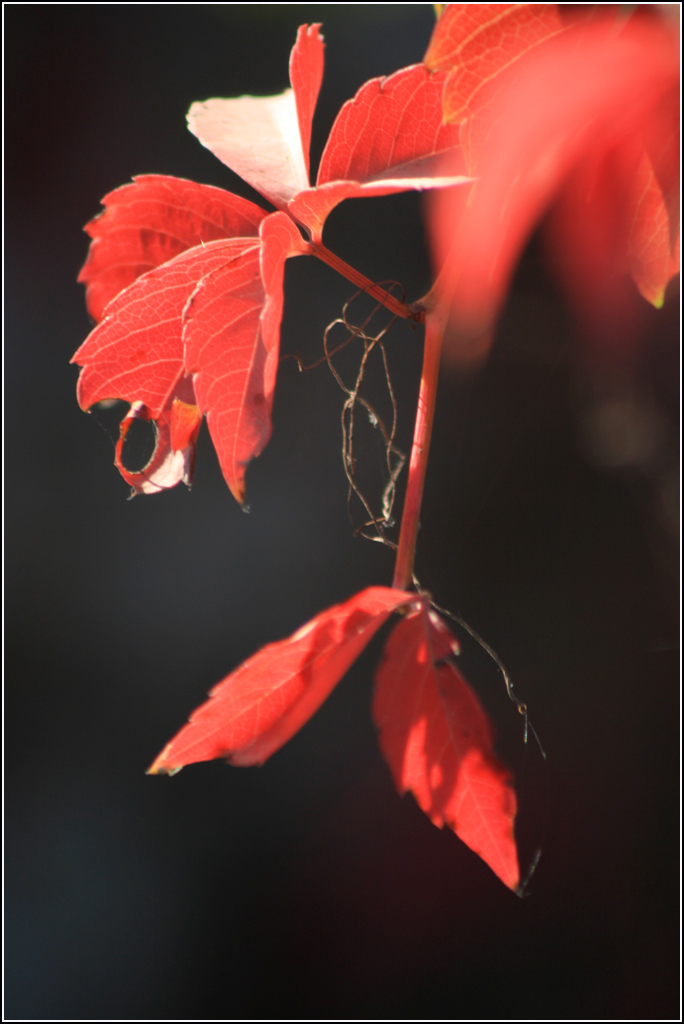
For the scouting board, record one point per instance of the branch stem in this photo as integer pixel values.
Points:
(362, 282)
(403, 569)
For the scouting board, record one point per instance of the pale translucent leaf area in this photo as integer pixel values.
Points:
(257, 137)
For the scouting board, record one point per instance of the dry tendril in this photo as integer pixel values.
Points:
(394, 458)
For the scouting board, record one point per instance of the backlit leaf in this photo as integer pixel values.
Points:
(148, 222)
(438, 742)
(653, 254)
(176, 429)
(265, 139)
(389, 138)
(265, 701)
(231, 334)
(136, 352)
(306, 75)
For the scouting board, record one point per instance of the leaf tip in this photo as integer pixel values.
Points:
(161, 765)
(236, 487)
(161, 770)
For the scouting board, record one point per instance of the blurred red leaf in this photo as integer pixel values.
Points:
(610, 228)
(654, 236)
(587, 106)
(148, 222)
(265, 701)
(477, 44)
(438, 742)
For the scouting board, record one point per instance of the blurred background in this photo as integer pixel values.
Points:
(308, 888)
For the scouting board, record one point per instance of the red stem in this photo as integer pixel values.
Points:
(362, 282)
(403, 569)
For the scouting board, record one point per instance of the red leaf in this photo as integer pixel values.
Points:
(265, 701)
(389, 138)
(306, 75)
(136, 352)
(437, 741)
(611, 220)
(477, 44)
(389, 125)
(587, 97)
(231, 335)
(148, 222)
(206, 313)
(265, 139)
(652, 249)
(621, 210)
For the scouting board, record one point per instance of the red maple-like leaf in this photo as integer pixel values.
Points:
(587, 118)
(265, 701)
(438, 741)
(217, 321)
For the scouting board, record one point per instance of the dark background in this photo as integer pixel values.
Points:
(308, 888)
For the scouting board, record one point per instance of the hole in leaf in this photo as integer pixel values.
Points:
(138, 446)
